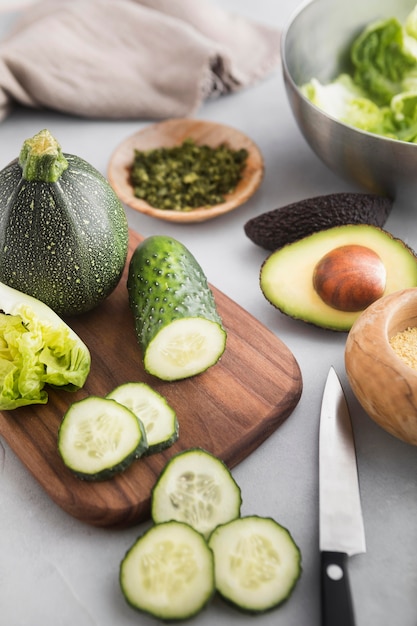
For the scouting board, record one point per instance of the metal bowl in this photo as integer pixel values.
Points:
(316, 43)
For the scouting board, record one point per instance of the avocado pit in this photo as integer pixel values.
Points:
(349, 278)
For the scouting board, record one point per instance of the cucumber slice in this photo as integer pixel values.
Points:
(168, 572)
(152, 409)
(176, 320)
(257, 563)
(186, 347)
(197, 488)
(99, 437)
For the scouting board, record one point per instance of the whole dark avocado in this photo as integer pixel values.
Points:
(279, 227)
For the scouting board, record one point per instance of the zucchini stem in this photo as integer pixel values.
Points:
(41, 158)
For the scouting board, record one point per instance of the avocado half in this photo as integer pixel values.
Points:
(328, 278)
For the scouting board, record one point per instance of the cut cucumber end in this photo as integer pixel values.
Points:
(257, 563)
(184, 348)
(168, 572)
(99, 437)
(196, 488)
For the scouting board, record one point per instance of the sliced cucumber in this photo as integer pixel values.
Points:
(197, 488)
(257, 563)
(99, 437)
(176, 320)
(152, 409)
(168, 572)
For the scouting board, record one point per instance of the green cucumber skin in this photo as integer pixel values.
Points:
(110, 472)
(163, 445)
(166, 283)
(70, 252)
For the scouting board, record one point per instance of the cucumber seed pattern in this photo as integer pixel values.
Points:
(152, 411)
(183, 348)
(167, 568)
(147, 414)
(197, 497)
(254, 561)
(198, 489)
(97, 436)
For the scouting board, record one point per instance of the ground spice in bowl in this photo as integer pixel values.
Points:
(404, 345)
(186, 176)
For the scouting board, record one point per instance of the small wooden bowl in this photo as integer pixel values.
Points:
(383, 383)
(171, 133)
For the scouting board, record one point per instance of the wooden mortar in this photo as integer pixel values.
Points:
(385, 386)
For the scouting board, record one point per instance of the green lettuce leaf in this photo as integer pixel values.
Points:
(346, 102)
(37, 348)
(382, 60)
(404, 109)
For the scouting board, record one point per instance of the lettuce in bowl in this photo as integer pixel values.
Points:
(37, 348)
(344, 100)
(379, 94)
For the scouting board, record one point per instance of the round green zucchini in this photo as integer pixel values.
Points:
(63, 230)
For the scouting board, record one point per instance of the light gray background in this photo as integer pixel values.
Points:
(56, 571)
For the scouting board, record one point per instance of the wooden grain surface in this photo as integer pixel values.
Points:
(228, 410)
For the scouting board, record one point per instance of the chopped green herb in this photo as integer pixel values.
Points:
(187, 176)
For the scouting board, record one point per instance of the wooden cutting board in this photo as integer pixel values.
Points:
(229, 410)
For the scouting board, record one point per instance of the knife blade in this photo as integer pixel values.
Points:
(341, 525)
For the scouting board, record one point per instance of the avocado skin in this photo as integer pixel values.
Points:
(274, 229)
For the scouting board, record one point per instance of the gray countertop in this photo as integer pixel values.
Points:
(55, 570)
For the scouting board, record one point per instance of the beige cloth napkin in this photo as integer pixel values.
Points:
(131, 58)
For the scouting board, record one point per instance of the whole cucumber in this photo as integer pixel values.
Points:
(177, 324)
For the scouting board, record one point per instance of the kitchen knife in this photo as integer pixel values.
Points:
(341, 523)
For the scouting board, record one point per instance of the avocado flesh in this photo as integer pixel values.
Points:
(286, 277)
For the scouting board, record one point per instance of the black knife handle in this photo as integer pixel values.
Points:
(336, 600)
